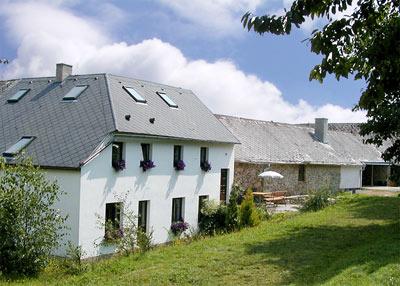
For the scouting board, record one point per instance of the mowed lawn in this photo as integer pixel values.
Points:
(354, 242)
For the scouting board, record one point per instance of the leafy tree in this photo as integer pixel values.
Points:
(30, 226)
(365, 43)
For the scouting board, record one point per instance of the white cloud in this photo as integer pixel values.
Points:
(46, 34)
(221, 17)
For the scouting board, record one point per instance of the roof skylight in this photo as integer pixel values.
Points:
(134, 94)
(75, 92)
(18, 95)
(167, 99)
(18, 147)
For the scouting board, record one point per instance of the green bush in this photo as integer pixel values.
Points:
(73, 264)
(30, 225)
(213, 219)
(144, 240)
(316, 200)
(232, 211)
(249, 215)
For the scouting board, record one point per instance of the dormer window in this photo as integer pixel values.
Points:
(75, 92)
(18, 147)
(18, 95)
(167, 99)
(134, 94)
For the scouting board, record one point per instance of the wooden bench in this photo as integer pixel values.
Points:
(271, 197)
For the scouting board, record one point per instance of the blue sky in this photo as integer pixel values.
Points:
(199, 45)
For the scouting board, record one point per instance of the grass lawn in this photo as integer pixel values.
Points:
(355, 242)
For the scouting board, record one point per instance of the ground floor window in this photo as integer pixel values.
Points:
(224, 184)
(177, 209)
(113, 221)
(143, 215)
(202, 200)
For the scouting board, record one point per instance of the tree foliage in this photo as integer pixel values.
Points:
(363, 42)
(30, 225)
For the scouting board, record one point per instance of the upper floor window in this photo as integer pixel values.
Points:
(18, 95)
(18, 147)
(146, 151)
(167, 99)
(117, 160)
(75, 92)
(178, 154)
(203, 155)
(302, 173)
(134, 94)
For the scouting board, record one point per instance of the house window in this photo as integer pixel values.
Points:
(75, 92)
(203, 155)
(18, 147)
(302, 173)
(177, 209)
(146, 151)
(113, 220)
(167, 99)
(202, 200)
(18, 95)
(143, 215)
(223, 185)
(134, 94)
(177, 154)
(117, 155)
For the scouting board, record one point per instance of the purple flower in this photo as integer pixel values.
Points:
(147, 164)
(119, 165)
(180, 165)
(179, 227)
(205, 166)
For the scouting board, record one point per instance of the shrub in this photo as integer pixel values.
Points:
(249, 215)
(144, 240)
(30, 226)
(232, 211)
(73, 262)
(316, 200)
(213, 218)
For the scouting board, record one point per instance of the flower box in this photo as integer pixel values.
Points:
(177, 228)
(119, 165)
(205, 166)
(146, 165)
(180, 165)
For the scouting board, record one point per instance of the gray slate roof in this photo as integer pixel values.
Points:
(68, 132)
(271, 142)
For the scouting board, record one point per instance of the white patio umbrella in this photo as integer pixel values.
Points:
(271, 174)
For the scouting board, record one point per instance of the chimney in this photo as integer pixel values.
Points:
(321, 129)
(63, 71)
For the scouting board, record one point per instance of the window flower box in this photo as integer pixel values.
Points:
(119, 165)
(205, 166)
(177, 228)
(180, 165)
(146, 165)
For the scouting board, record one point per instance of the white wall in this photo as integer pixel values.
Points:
(101, 184)
(350, 177)
(69, 183)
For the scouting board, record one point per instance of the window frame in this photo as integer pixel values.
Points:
(133, 95)
(180, 154)
(116, 219)
(120, 154)
(143, 225)
(302, 173)
(70, 98)
(15, 149)
(202, 199)
(203, 155)
(14, 98)
(146, 153)
(178, 210)
(168, 100)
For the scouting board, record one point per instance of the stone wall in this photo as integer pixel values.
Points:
(316, 177)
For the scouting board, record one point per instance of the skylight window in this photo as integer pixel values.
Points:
(18, 147)
(75, 92)
(167, 99)
(134, 94)
(18, 95)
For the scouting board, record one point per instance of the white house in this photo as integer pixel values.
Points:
(91, 132)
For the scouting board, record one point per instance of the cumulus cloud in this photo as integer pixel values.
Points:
(221, 17)
(45, 34)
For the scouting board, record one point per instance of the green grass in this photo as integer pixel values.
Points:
(354, 242)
